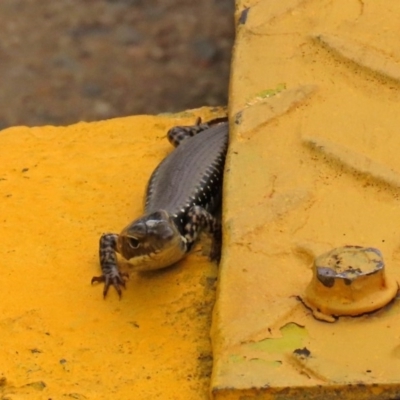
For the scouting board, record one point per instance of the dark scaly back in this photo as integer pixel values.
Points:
(190, 175)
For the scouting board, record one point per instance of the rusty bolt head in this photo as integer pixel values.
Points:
(349, 280)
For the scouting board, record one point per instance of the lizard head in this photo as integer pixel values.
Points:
(151, 242)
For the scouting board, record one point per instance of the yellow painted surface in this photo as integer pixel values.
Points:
(60, 189)
(313, 165)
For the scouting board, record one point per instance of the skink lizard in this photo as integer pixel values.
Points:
(183, 198)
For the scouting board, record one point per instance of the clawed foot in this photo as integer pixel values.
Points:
(117, 280)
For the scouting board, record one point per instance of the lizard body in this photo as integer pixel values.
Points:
(183, 198)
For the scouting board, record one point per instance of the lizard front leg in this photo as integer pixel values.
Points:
(109, 266)
(199, 219)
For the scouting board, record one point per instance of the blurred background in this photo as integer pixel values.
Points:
(63, 61)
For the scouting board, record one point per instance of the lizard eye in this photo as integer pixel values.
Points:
(133, 242)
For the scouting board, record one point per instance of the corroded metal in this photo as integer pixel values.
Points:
(349, 280)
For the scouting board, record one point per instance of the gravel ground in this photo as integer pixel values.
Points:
(67, 60)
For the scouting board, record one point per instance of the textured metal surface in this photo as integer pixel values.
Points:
(312, 167)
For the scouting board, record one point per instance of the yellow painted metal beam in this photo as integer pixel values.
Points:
(313, 166)
(60, 189)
